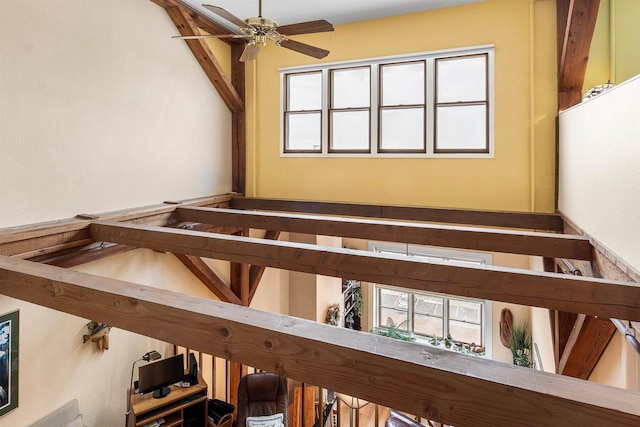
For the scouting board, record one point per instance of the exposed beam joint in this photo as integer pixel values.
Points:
(597, 297)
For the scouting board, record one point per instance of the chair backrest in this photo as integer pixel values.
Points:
(262, 394)
(225, 421)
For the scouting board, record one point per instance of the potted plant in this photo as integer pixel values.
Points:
(520, 345)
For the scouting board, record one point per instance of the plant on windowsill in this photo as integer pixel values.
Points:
(448, 341)
(521, 345)
(394, 332)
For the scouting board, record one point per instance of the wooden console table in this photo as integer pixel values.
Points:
(183, 406)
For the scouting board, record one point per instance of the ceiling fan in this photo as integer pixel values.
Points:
(257, 30)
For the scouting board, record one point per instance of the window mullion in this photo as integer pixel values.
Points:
(430, 100)
(445, 317)
(325, 111)
(374, 112)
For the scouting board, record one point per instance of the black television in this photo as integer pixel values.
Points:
(156, 377)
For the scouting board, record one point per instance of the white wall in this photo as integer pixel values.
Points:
(599, 175)
(99, 110)
(598, 191)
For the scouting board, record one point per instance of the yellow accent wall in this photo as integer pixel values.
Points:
(520, 177)
(614, 53)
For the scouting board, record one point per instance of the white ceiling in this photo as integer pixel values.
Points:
(334, 11)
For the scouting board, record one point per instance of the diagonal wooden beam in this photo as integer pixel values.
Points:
(208, 277)
(532, 221)
(592, 339)
(462, 390)
(578, 18)
(592, 296)
(202, 21)
(256, 271)
(206, 58)
(483, 239)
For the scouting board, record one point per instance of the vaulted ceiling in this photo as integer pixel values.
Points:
(334, 11)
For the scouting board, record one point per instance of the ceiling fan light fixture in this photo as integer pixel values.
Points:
(257, 30)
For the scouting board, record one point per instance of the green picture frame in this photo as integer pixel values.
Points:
(9, 340)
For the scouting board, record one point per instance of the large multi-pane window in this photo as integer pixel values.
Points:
(427, 314)
(428, 104)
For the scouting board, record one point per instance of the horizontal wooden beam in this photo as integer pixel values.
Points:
(443, 386)
(597, 297)
(551, 245)
(526, 220)
(37, 241)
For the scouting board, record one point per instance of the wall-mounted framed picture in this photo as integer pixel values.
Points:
(9, 335)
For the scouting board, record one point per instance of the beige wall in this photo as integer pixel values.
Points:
(99, 110)
(520, 177)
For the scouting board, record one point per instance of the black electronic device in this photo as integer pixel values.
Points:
(158, 376)
(193, 370)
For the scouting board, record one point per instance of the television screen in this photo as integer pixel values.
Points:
(157, 376)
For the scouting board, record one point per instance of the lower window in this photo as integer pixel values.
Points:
(429, 315)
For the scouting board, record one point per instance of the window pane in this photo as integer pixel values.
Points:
(392, 299)
(465, 310)
(465, 332)
(305, 91)
(428, 305)
(390, 317)
(350, 88)
(462, 128)
(303, 131)
(462, 79)
(402, 129)
(350, 130)
(402, 84)
(427, 325)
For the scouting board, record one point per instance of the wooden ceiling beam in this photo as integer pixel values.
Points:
(578, 19)
(591, 340)
(526, 220)
(592, 296)
(205, 57)
(209, 278)
(49, 240)
(482, 239)
(431, 383)
(202, 21)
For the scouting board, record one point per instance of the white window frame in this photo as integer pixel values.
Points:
(374, 63)
(440, 254)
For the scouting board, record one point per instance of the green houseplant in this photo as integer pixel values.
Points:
(520, 345)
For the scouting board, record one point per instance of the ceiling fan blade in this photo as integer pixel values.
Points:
(228, 16)
(305, 49)
(213, 36)
(319, 26)
(250, 52)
